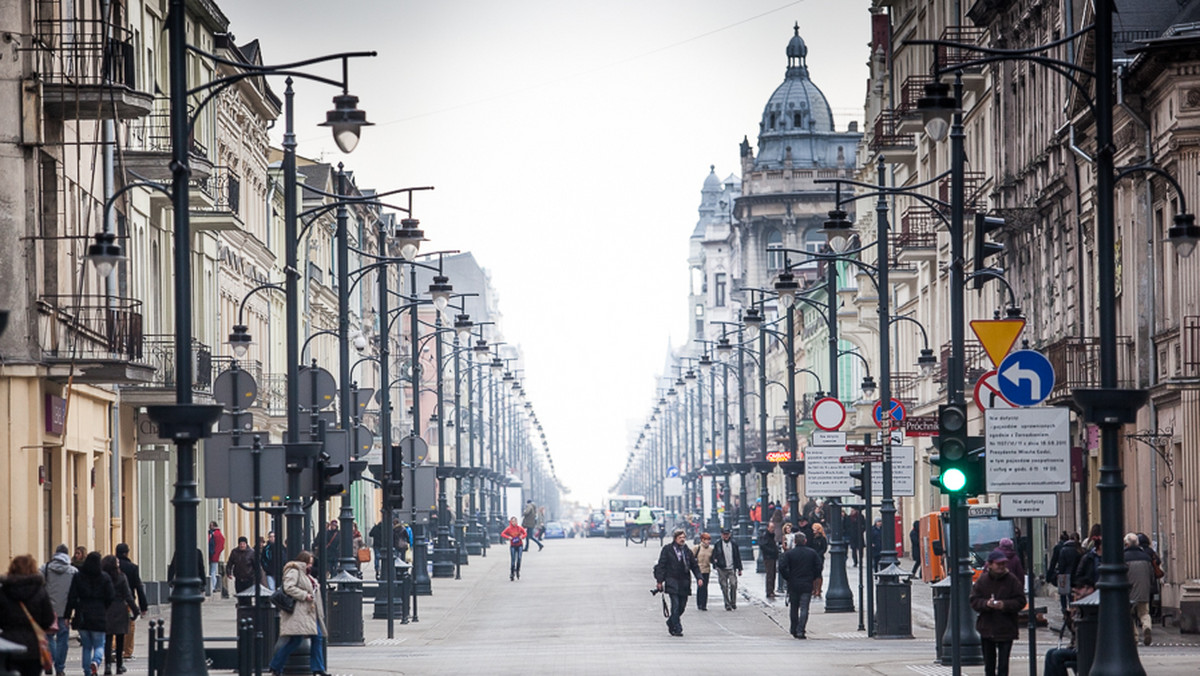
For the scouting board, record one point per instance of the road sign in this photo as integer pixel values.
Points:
(997, 336)
(1028, 506)
(828, 439)
(921, 426)
(897, 412)
(672, 471)
(235, 388)
(673, 487)
(824, 474)
(317, 388)
(861, 457)
(1026, 377)
(987, 392)
(904, 473)
(828, 414)
(1028, 450)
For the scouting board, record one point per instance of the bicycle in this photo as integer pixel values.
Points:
(638, 534)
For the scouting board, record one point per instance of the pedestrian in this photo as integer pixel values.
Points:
(876, 543)
(1062, 566)
(515, 536)
(914, 543)
(117, 614)
(529, 521)
(1087, 572)
(1144, 543)
(1015, 565)
(77, 558)
(327, 547)
(704, 555)
(216, 549)
(756, 511)
(728, 562)
(854, 531)
(58, 573)
(1141, 585)
(87, 606)
(133, 576)
(998, 597)
(768, 549)
(819, 544)
(801, 567)
(673, 572)
(378, 543)
(777, 519)
(307, 618)
(24, 600)
(785, 544)
(267, 556)
(199, 568)
(242, 566)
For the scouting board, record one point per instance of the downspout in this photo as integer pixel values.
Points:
(1150, 299)
(109, 132)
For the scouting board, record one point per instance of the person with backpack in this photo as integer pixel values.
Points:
(116, 621)
(59, 572)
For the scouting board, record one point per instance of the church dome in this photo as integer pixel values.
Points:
(795, 112)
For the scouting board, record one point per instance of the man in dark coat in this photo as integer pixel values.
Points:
(801, 568)
(243, 566)
(1062, 566)
(768, 549)
(133, 575)
(1141, 585)
(728, 562)
(998, 597)
(673, 572)
(854, 529)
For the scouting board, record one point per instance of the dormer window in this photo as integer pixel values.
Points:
(798, 120)
(773, 120)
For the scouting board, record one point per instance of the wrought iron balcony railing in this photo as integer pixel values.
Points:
(90, 327)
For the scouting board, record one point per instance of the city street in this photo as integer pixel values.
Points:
(584, 607)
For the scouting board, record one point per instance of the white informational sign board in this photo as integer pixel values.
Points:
(1028, 450)
(824, 473)
(673, 487)
(904, 474)
(1030, 505)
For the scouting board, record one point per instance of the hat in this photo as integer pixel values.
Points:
(725, 530)
(997, 555)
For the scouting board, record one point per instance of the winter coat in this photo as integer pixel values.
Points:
(819, 544)
(116, 615)
(673, 572)
(1066, 559)
(704, 556)
(529, 516)
(799, 567)
(30, 590)
(216, 545)
(1086, 571)
(59, 572)
(997, 624)
(308, 613)
(1141, 575)
(241, 565)
(87, 602)
(133, 575)
(719, 560)
(767, 547)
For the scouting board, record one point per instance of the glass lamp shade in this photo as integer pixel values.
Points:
(937, 127)
(926, 362)
(868, 388)
(1184, 234)
(346, 122)
(440, 290)
(239, 341)
(409, 237)
(936, 108)
(105, 253)
(360, 341)
(724, 349)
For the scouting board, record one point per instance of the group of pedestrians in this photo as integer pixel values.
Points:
(97, 596)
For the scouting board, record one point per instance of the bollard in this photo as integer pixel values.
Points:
(941, 617)
(893, 590)
(1086, 629)
(345, 610)
(254, 619)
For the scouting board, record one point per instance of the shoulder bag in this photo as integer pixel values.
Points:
(42, 641)
(281, 600)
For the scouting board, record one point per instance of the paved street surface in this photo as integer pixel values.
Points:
(584, 607)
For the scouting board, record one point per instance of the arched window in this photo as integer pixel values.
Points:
(774, 252)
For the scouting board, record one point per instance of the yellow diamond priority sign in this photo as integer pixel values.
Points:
(998, 336)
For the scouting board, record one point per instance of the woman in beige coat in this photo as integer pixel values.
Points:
(307, 619)
(704, 553)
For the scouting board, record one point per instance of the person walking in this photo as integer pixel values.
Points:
(673, 572)
(307, 618)
(768, 549)
(216, 549)
(24, 600)
(801, 567)
(116, 616)
(819, 544)
(87, 606)
(704, 555)
(854, 532)
(529, 521)
(728, 562)
(242, 566)
(77, 558)
(133, 576)
(58, 573)
(914, 544)
(876, 543)
(268, 555)
(1015, 565)
(515, 536)
(998, 597)
(1062, 566)
(1141, 585)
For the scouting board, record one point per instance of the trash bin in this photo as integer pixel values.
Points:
(261, 629)
(345, 610)
(401, 593)
(1087, 625)
(941, 615)
(893, 592)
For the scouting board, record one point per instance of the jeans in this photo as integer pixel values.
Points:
(1058, 660)
(93, 649)
(995, 657)
(316, 652)
(514, 554)
(529, 538)
(59, 642)
(702, 592)
(729, 581)
(678, 605)
(214, 576)
(798, 611)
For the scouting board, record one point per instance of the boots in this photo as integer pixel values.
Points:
(818, 583)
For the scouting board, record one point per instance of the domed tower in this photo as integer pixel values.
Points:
(781, 205)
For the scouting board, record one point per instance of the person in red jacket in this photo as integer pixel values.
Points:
(515, 535)
(216, 548)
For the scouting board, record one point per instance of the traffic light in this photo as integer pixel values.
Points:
(952, 456)
(393, 486)
(985, 249)
(974, 468)
(326, 471)
(862, 482)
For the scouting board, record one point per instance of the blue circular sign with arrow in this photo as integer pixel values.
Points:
(897, 412)
(1026, 377)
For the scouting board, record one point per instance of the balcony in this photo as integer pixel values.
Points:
(1076, 363)
(911, 91)
(977, 363)
(148, 149)
(974, 198)
(887, 139)
(917, 235)
(216, 200)
(93, 339)
(88, 70)
(906, 388)
(272, 394)
(158, 352)
(955, 56)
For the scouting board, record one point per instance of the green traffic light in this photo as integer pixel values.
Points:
(953, 479)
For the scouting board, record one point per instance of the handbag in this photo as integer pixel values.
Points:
(43, 642)
(1158, 571)
(281, 600)
(364, 554)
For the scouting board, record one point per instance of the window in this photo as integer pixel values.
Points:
(814, 242)
(699, 320)
(798, 120)
(719, 289)
(774, 255)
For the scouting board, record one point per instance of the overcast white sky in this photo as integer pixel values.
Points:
(568, 142)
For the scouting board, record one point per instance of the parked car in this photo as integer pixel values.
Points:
(568, 527)
(595, 524)
(554, 530)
